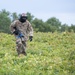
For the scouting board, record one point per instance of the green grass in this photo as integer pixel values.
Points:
(47, 54)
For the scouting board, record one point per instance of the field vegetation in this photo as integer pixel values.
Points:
(48, 54)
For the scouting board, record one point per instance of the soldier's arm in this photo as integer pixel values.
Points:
(30, 29)
(12, 27)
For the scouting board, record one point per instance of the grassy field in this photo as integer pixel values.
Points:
(47, 54)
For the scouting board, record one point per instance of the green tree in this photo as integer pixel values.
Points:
(54, 23)
(64, 27)
(30, 17)
(38, 24)
(4, 21)
(72, 28)
(5, 12)
(14, 16)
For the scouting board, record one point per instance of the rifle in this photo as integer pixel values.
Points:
(18, 33)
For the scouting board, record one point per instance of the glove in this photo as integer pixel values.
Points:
(16, 32)
(30, 38)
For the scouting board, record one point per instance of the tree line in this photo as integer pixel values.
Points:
(51, 25)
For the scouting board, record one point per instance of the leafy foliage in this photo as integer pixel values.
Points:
(4, 21)
(48, 54)
(51, 25)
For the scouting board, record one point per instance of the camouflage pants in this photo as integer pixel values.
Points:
(21, 46)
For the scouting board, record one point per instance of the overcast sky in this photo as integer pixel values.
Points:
(64, 10)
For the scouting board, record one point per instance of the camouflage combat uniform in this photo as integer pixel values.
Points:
(27, 30)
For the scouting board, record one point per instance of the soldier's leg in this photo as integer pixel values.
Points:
(19, 46)
(24, 46)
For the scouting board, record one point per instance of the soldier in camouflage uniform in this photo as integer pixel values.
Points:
(22, 29)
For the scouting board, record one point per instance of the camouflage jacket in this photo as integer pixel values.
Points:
(25, 28)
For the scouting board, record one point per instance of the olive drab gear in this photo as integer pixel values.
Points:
(26, 30)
